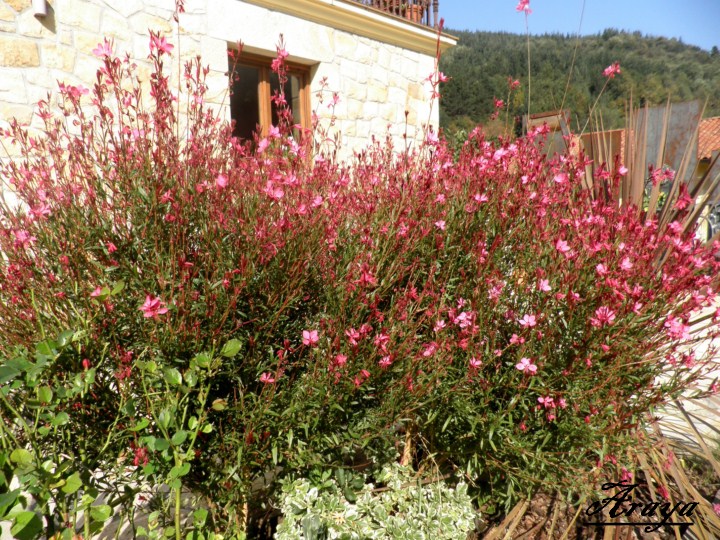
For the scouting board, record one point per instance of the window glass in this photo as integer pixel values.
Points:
(244, 101)
(292, 95)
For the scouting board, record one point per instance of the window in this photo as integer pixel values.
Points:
(252, 85)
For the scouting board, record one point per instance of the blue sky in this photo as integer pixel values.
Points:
(697, 22)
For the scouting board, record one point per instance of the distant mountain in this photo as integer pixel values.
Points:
(653, 68)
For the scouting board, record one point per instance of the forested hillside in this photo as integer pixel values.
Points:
(653, 68)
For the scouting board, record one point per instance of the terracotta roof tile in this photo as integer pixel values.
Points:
(709, 137)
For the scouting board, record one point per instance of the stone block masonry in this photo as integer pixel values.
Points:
(377, 80)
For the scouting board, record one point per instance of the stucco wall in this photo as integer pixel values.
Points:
(377, 81)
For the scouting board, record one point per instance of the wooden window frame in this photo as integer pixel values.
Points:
(262, 63)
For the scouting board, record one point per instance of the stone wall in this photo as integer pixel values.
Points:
(377, 81)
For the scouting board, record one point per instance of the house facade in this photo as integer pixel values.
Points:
(374, 54)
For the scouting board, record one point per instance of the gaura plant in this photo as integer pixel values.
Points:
(183, 308)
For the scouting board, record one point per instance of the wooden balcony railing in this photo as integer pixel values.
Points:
(423, 12)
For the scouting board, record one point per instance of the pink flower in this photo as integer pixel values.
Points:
(140, 456)
(381, 340)
(262, 145)
(475, 363)
(524, 5)
(430, 349)
(221, 181)
(716, 508)
(528, 321)
(385, 362)
(279, 61)
(23, 239)
(480, 198)
(274, 132)
(439, 325)
(340, 360)
(626, 264)
(267, 378)
(612, 70)
(153, 307)
(112, 248)
(161, 44)
(97, 292)
(440, 225)
(625, 475)
(544, 285)
(274, 192)
(547, 402)
(103, 49)
(663, 492)
(353, 336)
(562, 246)
(601, 269)
(361, 378)
(623, 170)
(676, 329)
(310, 337)
(40, 211)
(604, 316)
(526, 366)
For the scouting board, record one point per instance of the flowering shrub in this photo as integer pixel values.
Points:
(207, 313)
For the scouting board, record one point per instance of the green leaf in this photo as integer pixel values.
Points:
(203, 360)
(72, 484)
(26, 526)
(129, 407)
(191, 378)
(60, 419)
(44, 394)
(117, 289)
(65, 338)
(164, 418)
(179, 470)
(8, 373)
(172, 376)
(179, 438)
(46, 348)
(150, 366)
(199, 517)
(22, 458)
(100, 513)
(142, 424)
(7, 500)
(231, 348)
(161, 444)
(219, 404)
(275, 455)
(207, 428)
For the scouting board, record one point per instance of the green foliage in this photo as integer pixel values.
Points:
(653, 70)
(404, 509)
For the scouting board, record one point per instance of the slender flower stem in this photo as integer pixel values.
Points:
(592, 109)
(527, 36)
